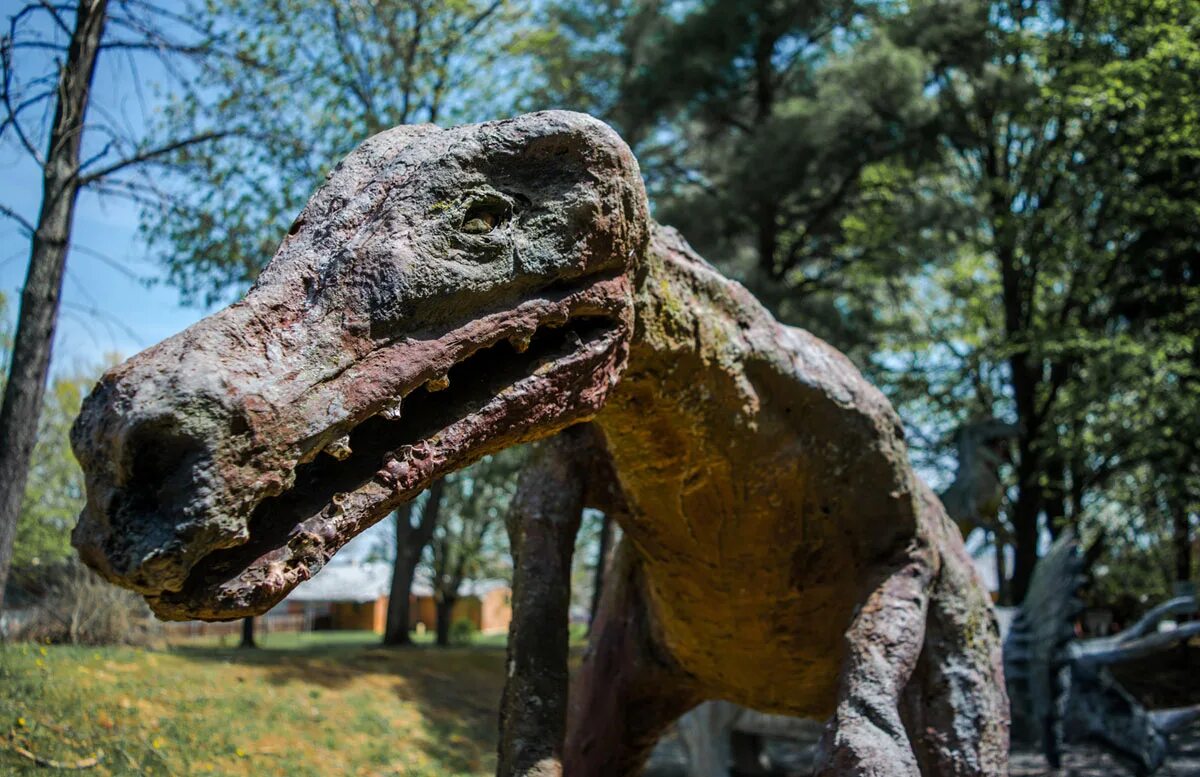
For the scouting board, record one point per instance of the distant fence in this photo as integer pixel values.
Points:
(263, 624)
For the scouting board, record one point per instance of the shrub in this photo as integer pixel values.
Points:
(76, 606)
(462, 631)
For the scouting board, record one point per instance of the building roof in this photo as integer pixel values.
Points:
(346, 583)
(368, 581)
(422, 587)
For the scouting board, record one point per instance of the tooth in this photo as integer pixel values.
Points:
(520, 343)
(573, 340)
(339, 448)
(392, 411)
(397, 470)
(440, 383)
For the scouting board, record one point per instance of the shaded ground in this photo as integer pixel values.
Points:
(795, 759)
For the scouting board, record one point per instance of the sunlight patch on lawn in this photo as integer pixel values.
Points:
(296, 707)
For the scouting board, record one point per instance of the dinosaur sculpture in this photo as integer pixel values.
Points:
(974, 497)
(1062, 690)
(448, 293)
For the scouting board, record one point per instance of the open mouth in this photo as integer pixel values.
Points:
(504, 392)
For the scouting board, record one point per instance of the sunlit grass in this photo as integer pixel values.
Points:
(309, 704)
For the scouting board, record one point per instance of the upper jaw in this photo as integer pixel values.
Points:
(514, 376)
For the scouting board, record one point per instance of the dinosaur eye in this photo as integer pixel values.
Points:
(478, 225)
(485, 216)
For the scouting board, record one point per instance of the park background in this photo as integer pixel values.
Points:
(992, 207)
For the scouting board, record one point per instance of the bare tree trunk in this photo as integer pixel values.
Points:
(47, 263)
(1026, 510)
(404, 567)
(1182, 539)
(445, 610)
(248, 634)
(542, 525)
(603, 556)
(410, 542)
(1002, 592)
(1054, 496)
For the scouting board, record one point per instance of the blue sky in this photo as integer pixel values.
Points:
(104, 309)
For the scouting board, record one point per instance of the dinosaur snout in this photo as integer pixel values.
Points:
(155, 448)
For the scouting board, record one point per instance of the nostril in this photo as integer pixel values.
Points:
(161, 463)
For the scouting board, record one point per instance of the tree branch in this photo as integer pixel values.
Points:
(13, 116)
(57, 19)
(150, 155)
(17, 217)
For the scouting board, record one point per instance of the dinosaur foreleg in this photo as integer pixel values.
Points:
(628, 690)
(865, 737)
(542, 525)
(955, 705)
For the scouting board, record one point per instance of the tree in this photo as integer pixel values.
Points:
(410, 544)
(248, 642)
(361, 67)
(605, 547)
(761, 127)
(54, 489)
(1066, 143)
(69, 51)
(468, 542)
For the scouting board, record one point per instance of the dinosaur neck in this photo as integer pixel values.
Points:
(687, 374)
(698, 421)
(763, 474)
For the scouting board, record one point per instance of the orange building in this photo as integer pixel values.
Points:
(485, 603)
(355, 597)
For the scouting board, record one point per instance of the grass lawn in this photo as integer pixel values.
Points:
(308, 704)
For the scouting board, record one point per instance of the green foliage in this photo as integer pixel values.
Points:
(470, 542)
(54, 494)
(773, 134)
(5, 332)
(1070, 302)
(306, 82)
(463, 632)
(992, 207)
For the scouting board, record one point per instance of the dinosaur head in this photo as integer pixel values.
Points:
(445, 294)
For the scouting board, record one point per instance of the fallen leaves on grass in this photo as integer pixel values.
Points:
(50, 763)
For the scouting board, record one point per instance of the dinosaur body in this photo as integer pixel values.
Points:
(770, 502)
(768, 483)
(450, 293)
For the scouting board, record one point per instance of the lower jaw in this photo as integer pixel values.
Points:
(292, 538)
